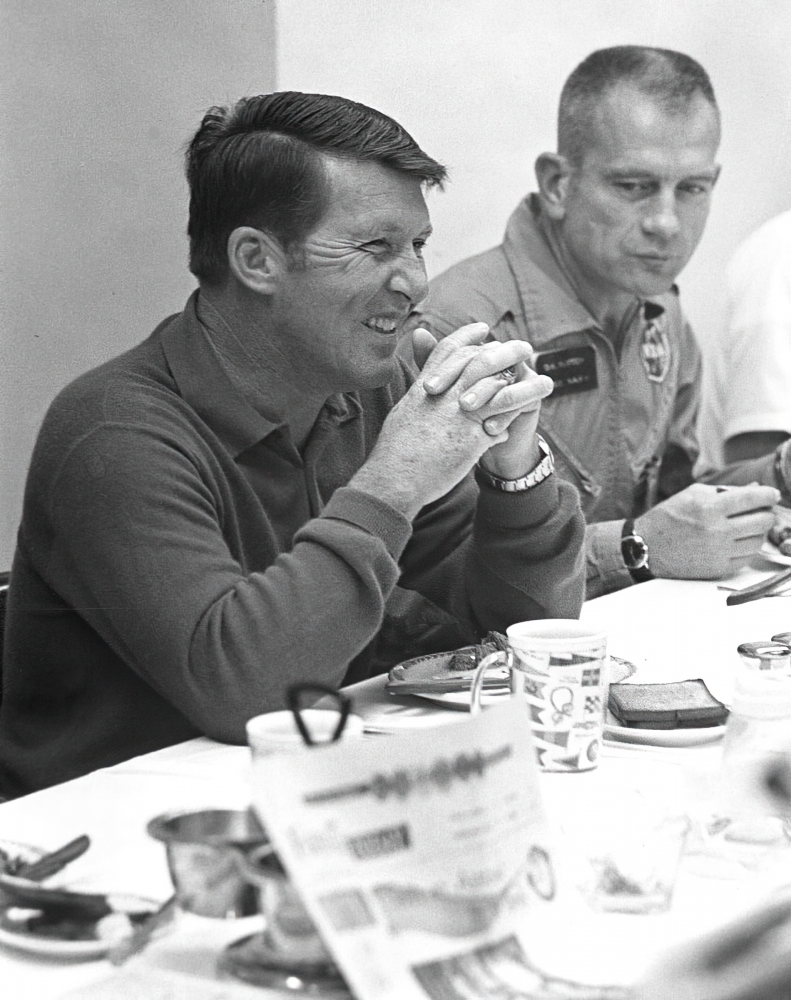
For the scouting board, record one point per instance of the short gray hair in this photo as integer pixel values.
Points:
(671, 78)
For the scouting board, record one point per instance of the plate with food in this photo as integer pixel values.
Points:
(675, 714)
(54, 920)
(777, 547)
(446, 678)
(15, 856)
(775, 554)
(68, 934)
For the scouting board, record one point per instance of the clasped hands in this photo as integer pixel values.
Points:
(460, 411)
(471, 372)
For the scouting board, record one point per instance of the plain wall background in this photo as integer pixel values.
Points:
(99, 98)
(478, 84)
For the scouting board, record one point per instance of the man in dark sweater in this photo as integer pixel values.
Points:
(261, 493)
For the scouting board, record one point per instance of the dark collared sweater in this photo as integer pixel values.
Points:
(179, 562)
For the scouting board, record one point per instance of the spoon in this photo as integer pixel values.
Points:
(766, 588)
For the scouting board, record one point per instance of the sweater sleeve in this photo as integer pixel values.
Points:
(492, 558)
(138, 549)
(606, 571)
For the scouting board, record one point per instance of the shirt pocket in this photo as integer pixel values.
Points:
(570, 468)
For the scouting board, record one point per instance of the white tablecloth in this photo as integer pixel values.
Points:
(670, 629)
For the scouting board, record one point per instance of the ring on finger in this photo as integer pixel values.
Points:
(508, 375)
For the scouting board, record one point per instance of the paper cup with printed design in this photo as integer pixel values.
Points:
(560, 667)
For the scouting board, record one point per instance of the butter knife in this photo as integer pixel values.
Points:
(52, 863)
(141, 935)
(766, 588)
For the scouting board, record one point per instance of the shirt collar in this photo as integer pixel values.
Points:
(550, 304)
(207, 389)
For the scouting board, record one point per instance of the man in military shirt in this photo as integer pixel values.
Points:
(586, 274)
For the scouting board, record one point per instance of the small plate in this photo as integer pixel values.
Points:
(39, 944)
(432, 674)
(460, 700)
(254, 960)
(24, 852)
(662, 737)
(773, 554)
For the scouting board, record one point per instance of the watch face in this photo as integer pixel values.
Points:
(634, 551)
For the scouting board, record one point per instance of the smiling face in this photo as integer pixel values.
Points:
(634, 209)
(338, 314)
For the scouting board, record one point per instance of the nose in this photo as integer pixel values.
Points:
(409, 278)
(662, 216)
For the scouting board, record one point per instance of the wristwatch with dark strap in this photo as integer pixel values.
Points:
(634, 551)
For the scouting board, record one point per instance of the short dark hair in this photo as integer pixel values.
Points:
(671, 78)
(259, 163)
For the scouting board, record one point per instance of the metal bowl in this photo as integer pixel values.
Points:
(203, 852)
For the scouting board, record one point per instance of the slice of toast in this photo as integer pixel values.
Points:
(677, 705)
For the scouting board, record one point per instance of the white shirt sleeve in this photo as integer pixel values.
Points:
(747, 376)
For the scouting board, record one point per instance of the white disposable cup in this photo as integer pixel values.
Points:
(276, 732)
(554, 635)
(559, 667)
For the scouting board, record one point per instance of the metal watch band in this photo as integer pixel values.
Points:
(634, 551)
(542, 471)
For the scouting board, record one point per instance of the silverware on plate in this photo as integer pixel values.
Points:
(770, 587)
(55, 861)
(141, 935)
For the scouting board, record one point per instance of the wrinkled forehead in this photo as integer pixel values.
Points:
(629, 124)
(362, 189)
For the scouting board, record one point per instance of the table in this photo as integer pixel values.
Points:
(670, 629)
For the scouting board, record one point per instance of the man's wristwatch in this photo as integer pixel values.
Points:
(634, 551)
(782, 469)
(542, 471)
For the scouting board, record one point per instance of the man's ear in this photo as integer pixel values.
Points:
(256, 259)
(553, 173)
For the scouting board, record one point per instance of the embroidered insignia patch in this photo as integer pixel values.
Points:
(655, 348)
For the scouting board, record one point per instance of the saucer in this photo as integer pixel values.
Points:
(253, 960)
(663, 737)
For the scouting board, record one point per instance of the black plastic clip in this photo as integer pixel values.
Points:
(294, 699)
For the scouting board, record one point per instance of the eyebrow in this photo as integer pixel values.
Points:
(388, 228)
(624, 174)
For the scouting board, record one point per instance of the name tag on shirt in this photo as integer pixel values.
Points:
(572, 370)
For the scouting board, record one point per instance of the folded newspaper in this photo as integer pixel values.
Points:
(423, 858)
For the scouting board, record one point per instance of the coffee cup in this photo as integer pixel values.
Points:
(559, 667)
(277, 732)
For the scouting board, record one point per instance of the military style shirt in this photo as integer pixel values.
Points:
(620, 421)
